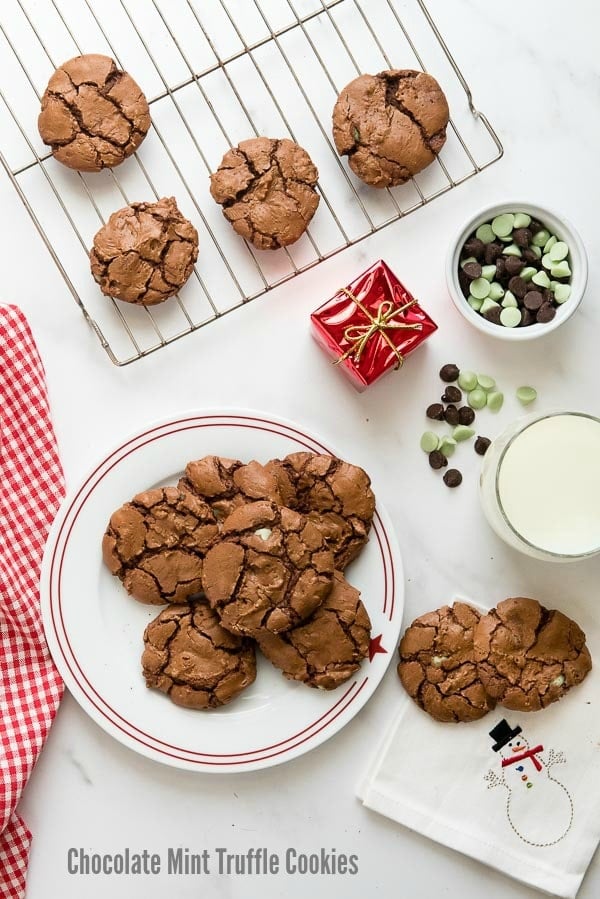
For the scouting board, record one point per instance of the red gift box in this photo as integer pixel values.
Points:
(371, 325)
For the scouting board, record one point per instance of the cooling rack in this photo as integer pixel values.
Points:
(216, 72)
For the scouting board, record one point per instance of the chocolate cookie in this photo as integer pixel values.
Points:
(270, 570)
(144, 253)
(267, 191)
(196, 662)
(528, 656)
(93, 115)
(391, 125)
(437, 665)
(328, 648)
(335, 495)
(226, 484)
(156, 544)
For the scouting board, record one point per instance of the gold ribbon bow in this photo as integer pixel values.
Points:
(360, 335)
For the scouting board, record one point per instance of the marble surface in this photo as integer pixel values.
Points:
(533, 69)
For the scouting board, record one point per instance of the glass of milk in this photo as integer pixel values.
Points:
(540, 486)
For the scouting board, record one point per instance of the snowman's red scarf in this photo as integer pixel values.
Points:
(530, 754)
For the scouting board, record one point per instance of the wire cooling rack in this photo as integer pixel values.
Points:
(216, 72)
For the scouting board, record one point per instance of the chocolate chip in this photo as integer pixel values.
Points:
(548, 295)
(492, 251)
(449, 372)
(533, 300)
(474, 247)
(535, 226)
(546, 313)
(481, 445)
(493, 315)
(472, 270)
(527, 318)
(517, 286)
(529, 257)
(466, 415)
(451, 395)
(452, 478)
(464, 282)
(501, 267)
(435, 411)
(451, 415)
(522, 237)
(437, 459)
(514, 265)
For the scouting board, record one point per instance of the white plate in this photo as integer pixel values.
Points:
(94, 629)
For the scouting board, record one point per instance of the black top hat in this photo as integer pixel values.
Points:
(503, 733)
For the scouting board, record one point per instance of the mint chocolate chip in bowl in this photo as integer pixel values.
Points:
(517, 271)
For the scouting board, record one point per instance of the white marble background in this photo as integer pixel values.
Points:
(534, 71)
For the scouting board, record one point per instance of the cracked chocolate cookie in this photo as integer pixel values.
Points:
(226, 484)
(327, 649)
(391, 125)
(156, 544)
(437, 665)
(333, 494)
(267, 191)
(93, 114)
(270, 570)
(196, 662)
(145, 252)
(529, 656)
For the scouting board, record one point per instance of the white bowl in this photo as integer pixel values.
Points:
(556, 225)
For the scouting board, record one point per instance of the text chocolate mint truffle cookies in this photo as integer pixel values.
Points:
(529, 656)
(93, 115)
(155, 544)
(267, 191)
(195, 661)
(270, 569)
(145, 252)
(391, 125)
(437, 664)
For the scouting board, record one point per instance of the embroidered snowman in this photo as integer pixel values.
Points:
(539, 807)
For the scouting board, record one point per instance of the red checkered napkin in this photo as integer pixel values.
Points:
(31, 488)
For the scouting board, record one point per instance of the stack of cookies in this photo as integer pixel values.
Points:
(247, 555)
(457, 664)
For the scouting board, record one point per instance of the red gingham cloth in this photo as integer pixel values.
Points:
(31, 488)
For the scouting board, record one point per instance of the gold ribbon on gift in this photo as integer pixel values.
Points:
(360, 335)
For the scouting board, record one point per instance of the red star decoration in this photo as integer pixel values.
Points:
(375, 647)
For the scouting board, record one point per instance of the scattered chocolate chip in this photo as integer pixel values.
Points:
(522, 237)
(474, 247)
(466, 416)
(529, 257)
(546, 313)
(548, 295)
(492, 251)
(437, 459)
(493, 315)
(500, 268)
(452, 395)
(527, 318)
(535, 226)
(513, 265)
(449, 372)
(435, 411)
(472, 270)
(518, 286)
(452, 478)
(481, 445)
(533, 300)
(451, 415)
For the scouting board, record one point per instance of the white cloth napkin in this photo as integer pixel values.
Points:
(536, 819)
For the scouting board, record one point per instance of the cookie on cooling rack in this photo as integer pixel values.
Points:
(93, 115)
(267, 191)
(391, 125)
(196, 662)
